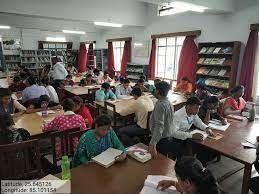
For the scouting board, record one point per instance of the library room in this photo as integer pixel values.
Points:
(129, 96)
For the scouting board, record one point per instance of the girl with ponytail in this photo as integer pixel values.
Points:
(192, 178)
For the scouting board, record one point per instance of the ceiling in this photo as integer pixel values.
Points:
(56, 15)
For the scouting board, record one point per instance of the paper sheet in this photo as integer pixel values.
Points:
(214, 124)
(49, 112)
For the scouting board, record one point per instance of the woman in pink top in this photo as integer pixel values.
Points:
(69, 120)
(235, 104)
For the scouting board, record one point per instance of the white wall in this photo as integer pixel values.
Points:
(29, 38)
(234, 27)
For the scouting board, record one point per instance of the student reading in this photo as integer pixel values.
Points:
(185, 86)
(235, 104)
(104, 93)
(192, 178)
(95, 141)
(123, 90)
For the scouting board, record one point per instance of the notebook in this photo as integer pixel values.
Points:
(151, 182)
(236, 117)
(216, 124)
(205, 135)
(49, 112)
(139, 154)
(107, 158)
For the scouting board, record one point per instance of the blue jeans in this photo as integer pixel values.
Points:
(129, 134)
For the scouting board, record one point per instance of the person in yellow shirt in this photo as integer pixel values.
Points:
(185, 86)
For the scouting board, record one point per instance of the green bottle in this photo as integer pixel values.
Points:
(65, 166)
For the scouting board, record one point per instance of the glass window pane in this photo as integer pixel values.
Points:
(162, 42)
(180, 40)
(171, 41)
(161, 51)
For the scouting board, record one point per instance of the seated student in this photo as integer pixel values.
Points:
(69, 80)
(71, 69)
(182, 122)
(9, 105)
(82, 110)
(152, 87)
(88, 81)
(146, 84)
(9, 134)
(192, 178)
(141, 107)
(98, 75)
(209, 110)
(235, 104)
(36, 105)
(60, 91)
(104, 93)
(123, 90)
(17, 85)
(52, 92)
(45, 72)
(33, 90)
(201, 92)
(140, 83)
(106, 77)
(69, 120)
(95, 141)
(254, 183)
(185, 86)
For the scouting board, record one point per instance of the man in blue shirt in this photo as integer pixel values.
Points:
(33, 90)
(123, 90)
(104, 93)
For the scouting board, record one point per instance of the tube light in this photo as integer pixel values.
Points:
(136, 44)
(187, 6)
(5, 27)
(108, 24)
(73, 32)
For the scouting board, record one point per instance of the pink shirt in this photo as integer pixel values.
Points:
(69, 120)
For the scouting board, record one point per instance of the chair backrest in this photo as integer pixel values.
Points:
(91, 94)
(20, 160)
(72, 136)
(113, 109)
(93, 110)
(63, 138)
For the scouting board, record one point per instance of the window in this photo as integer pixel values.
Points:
(118, 52)
(168, 54)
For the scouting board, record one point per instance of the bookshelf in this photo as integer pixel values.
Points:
(134, 71)
(12, 61)
(101, 59)
(1, 57)
(72, 57)
(35, 59)
(217, 66)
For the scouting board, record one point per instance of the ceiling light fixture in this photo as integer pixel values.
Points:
(5, 27)
(56, 39)
(136, 44)
(73, 32)
(108, 24)
(187, 6)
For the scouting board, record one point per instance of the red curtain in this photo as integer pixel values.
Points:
(90, 56)
(82, 59)
(110, 58)
(126, 57)
(188, 60)
(152, 61)
(248, 64)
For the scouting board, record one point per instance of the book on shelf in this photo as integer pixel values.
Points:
(210, 50)
(216, 51)
(207, 61)
(207, 71)
(201, 70)
(222, 72)
(107, 158)
(203, 50)
(214, 71)
(200, 61)
(221, 61)
(227, 50)
(139, 154)
(151, 183)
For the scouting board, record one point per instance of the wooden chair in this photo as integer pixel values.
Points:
(63, 138)
(20, 160)
(146, 138)
(94, 110)
(91, 94)
(72, 136)
(113, 109)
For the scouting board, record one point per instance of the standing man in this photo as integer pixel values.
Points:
(59, 71)
(161, 121)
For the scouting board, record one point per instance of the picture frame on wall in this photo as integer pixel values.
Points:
(141, 49)
(10, 43)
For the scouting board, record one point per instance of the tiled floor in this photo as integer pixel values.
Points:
(232, 184)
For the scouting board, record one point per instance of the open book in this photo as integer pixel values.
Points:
(107, 158)
(216, 124)
(205, 135)
(151, 183)
(139, 154)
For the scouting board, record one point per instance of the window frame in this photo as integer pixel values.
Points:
(121, 50)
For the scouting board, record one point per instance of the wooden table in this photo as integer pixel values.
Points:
(33, 122)
(121, 178)
(80, 90)
(230, 146)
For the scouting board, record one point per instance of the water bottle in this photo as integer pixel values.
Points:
(65, 166)
(252, 113)
(44, 107)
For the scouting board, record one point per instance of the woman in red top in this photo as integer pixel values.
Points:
(235, 104)
(82, 110)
